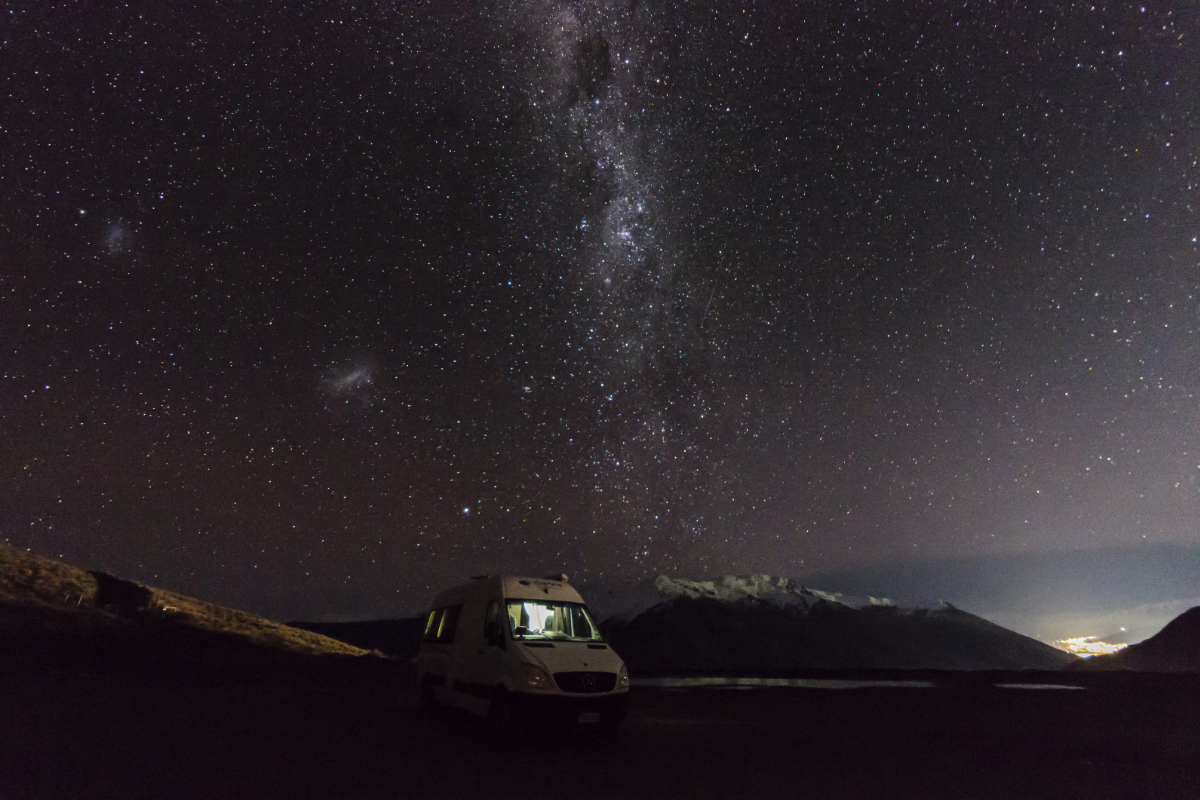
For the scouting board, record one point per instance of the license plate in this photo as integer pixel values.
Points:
(589, 717)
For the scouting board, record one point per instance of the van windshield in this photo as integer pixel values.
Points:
(535, 619)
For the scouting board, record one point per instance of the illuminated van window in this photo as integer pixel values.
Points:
(431, 625)
(441, 624)
(449, 624)
(534, 619)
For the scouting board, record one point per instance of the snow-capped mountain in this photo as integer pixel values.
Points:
(621, 603)
(762, 622)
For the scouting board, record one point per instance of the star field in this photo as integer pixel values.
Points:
(315, 310)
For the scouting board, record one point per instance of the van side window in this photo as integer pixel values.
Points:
(449, 623)
(431, 625)
(492, 632)
(441, 624)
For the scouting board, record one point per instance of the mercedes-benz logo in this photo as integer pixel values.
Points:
(589, 681)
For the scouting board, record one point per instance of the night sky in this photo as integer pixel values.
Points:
(311, 308)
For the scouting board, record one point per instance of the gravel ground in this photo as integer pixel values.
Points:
(81, 736)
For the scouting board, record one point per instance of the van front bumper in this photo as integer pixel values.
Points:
(561, 711)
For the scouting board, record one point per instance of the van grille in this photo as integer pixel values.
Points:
(586, 682)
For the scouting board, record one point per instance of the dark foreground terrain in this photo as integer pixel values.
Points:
(80, 736)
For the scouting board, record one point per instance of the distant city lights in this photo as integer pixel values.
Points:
(1088, 646)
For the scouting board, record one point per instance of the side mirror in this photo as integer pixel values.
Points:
(493, 635)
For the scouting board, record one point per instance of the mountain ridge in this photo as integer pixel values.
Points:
(616, 602)
(1176, 648)
(763, 622)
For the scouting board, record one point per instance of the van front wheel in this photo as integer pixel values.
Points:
(428, 701)
(502, 715)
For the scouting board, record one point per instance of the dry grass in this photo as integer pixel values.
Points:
(36, 591)
(26, 579)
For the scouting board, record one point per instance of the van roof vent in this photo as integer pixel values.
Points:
(561, 577)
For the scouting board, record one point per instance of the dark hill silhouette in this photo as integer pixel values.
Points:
(56, 617)
(1176, 648)
(700, 634)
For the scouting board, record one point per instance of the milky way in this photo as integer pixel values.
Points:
(601, 145)
(315, 310)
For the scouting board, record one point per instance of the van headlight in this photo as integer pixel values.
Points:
(623, 678)
(536, 677)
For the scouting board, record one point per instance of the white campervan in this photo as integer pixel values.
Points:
(521, 652)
